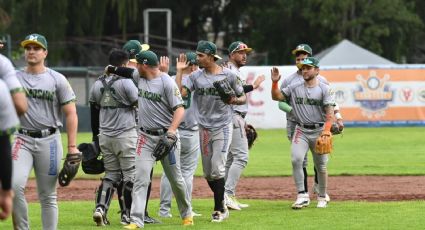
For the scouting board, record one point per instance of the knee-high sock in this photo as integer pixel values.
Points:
(305, 180)
(217, 186)
(148, 194)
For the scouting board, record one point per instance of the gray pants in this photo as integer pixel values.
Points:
(290, 129)
(215, 145)
(144, 164)
(302, 141)
(119, 155)
(188, 161)
(237, 159)
(44, 155)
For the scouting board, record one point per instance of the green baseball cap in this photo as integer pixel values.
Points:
(238, 46)
(310, 61)
(147, 57)
(37, 39)
(191, 58)
(207, 47)
(134, 47)
(303, 48)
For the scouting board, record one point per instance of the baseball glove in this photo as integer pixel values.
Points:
(224, 90)
(251, 135)
(324, 143)
(335, 130)
(92, 162)
(69, 169)
(164, 146)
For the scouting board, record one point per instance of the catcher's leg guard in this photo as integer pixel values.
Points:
(104, 194)
(127, 191)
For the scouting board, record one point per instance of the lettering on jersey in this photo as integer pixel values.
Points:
(150, 95)
(40, 94)
(207, 91)
(308, 101)
(373, 94)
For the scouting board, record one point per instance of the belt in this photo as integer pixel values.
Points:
(243, 115)
(37, 133)
(310, 126)
(155, 132)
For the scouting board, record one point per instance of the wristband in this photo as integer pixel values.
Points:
(338, 116)
(275, 85)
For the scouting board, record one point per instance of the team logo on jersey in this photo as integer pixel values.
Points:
(421, 94)
(373, 94)
(406, 94)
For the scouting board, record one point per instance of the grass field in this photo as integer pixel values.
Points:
(261, 215)
(361, 151)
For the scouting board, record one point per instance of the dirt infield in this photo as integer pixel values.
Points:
(360, 188)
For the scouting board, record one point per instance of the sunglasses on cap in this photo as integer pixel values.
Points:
(241, 46)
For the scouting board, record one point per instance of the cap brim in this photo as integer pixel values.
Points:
(218, 57)
(26, 42)
(246, 50)
(300, 65)
(133, 60)
(145, 47)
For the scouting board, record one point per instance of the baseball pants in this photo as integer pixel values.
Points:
(303, 140)
(44, 154)
(189, 155)
(144, 164)
(237, 158)
(215, 145)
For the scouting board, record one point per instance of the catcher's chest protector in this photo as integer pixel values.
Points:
(109, 99)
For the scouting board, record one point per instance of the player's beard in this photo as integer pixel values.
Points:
(309, 78)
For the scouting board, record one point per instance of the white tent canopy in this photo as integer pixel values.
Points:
(348, 53)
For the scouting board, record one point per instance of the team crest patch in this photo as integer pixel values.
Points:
(177, 92)
(373, 94)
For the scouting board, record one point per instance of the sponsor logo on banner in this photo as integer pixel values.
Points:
(406, 94)
(421, 94)
(373, 94)
(340, 96)
(256, 102)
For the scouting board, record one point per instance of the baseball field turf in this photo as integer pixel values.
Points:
(360, 151)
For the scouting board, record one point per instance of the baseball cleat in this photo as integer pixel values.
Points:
(321, 202)
(150, 220)
(99, 217)
(196, 214)
(131, 226)
(188, 221)
(316, 191)
(241, 205)
(303, 200)
(165, 215)
(230, 202)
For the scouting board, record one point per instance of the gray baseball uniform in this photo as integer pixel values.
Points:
(189, 154)
(158, 98)
(215, 119)
(8, 117)
(117, 98)
(38, 144)
(308, 109)
(8, 75)
(237, 158)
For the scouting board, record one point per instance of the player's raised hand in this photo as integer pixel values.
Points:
(164, 64)
(258, 81)
(181, 62)
(275, 74)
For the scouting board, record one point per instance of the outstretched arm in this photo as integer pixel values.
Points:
(277, 95)
(181, 65)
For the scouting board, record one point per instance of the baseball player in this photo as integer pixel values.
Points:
(301, 52)
(133, 47)
(38, 142)
(189, 140)
(214, 117)
(9, 122)
(160, 113)
(114, 99)
(8, 75)
(237, 158)
(312, 103)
